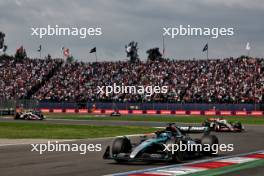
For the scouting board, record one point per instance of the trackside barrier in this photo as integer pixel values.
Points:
(195, 112)
(240, 113)
(225, 113)
(70, 110)
(125, 112)
(45, 110)
(82, 111)
(180, 112)
(166, 112)
(156, 112)
(57, 110)
(152, 112)
(137, 112)
(97, 111)
(209, 112)
(256, 113)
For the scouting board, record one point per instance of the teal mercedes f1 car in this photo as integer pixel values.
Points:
(164, 146)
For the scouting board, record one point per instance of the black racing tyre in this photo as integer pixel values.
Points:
(121, 145)
(27, 117)
(206, 124)
(238, 125)
(17, 116)
(216, 127)
(177, 156)
(209, 141)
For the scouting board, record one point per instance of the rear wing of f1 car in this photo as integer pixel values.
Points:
(194, 129)
(190, 129)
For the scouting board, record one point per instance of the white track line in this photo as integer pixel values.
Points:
(35, 142)
(71, 140)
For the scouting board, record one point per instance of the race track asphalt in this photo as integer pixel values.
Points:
(19, 160)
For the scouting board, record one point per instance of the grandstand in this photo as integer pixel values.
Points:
(228, 80)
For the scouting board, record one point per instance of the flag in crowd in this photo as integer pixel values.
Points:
(66, 52)
(93, 50)
(248, 46)
(40, 48)
(205, 48)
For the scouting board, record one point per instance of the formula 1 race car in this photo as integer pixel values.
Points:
(115, 114)
(220, 124)
(162, 147)
(30, 115)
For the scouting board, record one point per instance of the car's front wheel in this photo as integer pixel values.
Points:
(121, 145)
(176, 156)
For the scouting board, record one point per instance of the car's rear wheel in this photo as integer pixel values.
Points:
(17, 116)
(216, 127)
(238, 125)
(208, 141)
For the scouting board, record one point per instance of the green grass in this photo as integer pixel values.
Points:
(16, 130)
(183, 119)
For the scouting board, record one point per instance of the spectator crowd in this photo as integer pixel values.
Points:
(19, 77)
(229, 80)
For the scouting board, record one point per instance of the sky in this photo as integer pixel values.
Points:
(142, 21)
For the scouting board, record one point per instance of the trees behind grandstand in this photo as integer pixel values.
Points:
(132, 51)
(21, 53)
(70, 58)
(2, 39)
(154, 54)
(3, 47)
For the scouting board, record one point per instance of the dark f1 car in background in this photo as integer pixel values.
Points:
(29, 115)
(115, 114)
(220, 124)
(155, 148)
